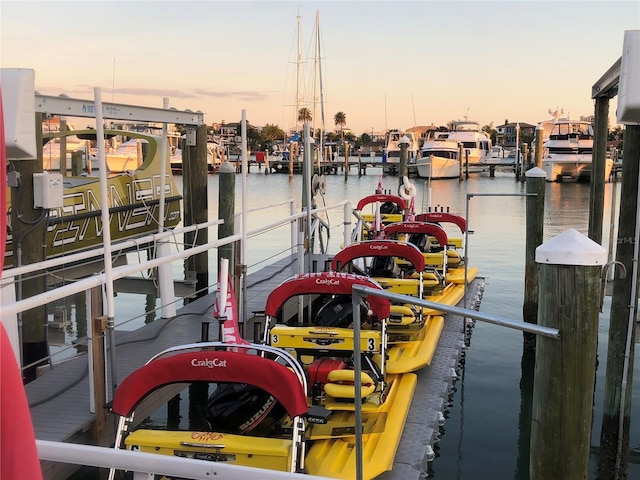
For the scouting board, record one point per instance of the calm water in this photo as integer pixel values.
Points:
(482, 433)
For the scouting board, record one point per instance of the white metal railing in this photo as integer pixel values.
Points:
(144, 465)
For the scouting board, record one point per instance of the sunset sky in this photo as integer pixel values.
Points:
(384, 64)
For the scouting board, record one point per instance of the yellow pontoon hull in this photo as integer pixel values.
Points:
(258, 452)
(336, 457)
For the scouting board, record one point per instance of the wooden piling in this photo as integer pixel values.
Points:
(76, 163)
(290, 160)
(226, 210)
(346, 160)
(266, 162)
(598, 167)
(63, 148)
(460, 158)
(466, 164)
(28, 228)
(570, 268)
(539, 145)
(98, 331)
(614, 444)
(403, 163)
(525, 161)
(195, 173)
(535, 185)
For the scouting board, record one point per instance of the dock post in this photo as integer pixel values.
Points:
(598, 167)
(266, 162)
(616, 415)
(196, 210)
(98, 355)
(570, 268)
(291, 160)
(226, 209)
(76, 163)
(346, 160)
(536, 183)
(539, 145)
(28, 231)
(460, 157)
(525, 162)
(466, 165)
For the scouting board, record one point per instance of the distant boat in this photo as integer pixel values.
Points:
(215, 156)
(568, 150)
(439, 157)
(391, 163)
(476, 143)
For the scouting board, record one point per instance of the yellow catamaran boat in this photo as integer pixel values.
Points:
(310, 315)
(249, 402)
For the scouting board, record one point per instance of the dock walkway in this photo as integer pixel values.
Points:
(59, 400)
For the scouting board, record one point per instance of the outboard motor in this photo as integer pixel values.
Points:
(338, 312)
(240, 408)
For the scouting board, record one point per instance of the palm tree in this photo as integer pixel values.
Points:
(340, 120)
(304, 115)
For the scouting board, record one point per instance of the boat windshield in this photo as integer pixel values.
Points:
(562, 130)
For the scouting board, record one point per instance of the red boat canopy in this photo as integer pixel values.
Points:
(418, 227)
(441, 217)
(382, 198)
(380, 248)
(212, 366)
(334, 283)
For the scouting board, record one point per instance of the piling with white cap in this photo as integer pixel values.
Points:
(570, 267)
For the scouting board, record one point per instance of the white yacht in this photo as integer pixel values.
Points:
(568, 150)
(475, 142)
(439, 157)
(391, 160)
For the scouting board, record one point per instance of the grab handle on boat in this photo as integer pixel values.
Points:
(604, 279)
(202, 445)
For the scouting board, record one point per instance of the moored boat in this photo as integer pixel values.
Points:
(568, 150)
(248, 409)
(391, 161)
(399, 267)
(134, 183)
(310, 315)
(439, 158)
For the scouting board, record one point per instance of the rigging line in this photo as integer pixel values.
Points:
(415, 122)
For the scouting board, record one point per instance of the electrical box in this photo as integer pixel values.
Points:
(628, 112)
(18, 105)
(47, 190)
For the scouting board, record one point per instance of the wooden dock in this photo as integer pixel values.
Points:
(59, 400)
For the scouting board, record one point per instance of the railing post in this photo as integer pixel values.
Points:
(347, 224)
(294, 228)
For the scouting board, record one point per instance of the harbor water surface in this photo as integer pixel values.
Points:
(486, 432)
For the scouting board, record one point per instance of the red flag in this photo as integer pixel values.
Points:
(225, 306)
(411, 212)
(377, 224)
(379, 188)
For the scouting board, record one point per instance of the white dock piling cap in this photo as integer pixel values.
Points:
(571, 248)
(535, 172)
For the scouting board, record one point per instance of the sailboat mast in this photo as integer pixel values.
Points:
(298, 61)
(322, 125)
